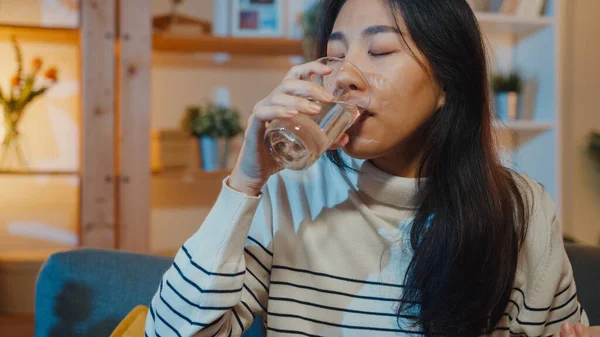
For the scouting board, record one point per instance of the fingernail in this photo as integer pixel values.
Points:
(579, 329)
(315, 107)
(291, 112)
(329, 96)
(566, 329)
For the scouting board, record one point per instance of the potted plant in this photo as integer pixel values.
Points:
(506, 88)
(24, 89)
(210, 123)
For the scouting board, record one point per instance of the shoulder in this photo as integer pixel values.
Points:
(543, 241)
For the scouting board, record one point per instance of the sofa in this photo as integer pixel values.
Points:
(87, 292)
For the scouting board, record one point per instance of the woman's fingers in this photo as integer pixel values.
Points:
(306, 89)
(266, 113)
(304, 70)
(581, 330)
(566, 330)
(296, 103)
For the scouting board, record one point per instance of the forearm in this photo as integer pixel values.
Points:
(197, 294)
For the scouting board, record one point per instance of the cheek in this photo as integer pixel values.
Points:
(404, 94)
(404, 98)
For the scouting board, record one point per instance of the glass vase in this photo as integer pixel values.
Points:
(12, 157)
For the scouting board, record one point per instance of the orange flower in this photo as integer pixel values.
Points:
(15, 81)
(36, 64)
(51, 74)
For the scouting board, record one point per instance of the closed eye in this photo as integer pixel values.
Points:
(380, 54)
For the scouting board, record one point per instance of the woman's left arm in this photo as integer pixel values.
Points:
(545, 293)
(577, 330)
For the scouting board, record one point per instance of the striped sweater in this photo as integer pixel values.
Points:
(323, 253)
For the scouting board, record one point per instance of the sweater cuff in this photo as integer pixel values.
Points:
(225, 229)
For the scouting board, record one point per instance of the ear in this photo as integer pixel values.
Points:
(441, 99)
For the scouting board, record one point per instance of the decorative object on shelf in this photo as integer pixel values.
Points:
(256, 18)
(509, 6)
(531, 8)
(174, 5)
(24, 88)
(506, 89)
(221, 17)
(479, 5)
(211, 122)
(177, 24)
(309, 26)
(594, 147)
(170, 149)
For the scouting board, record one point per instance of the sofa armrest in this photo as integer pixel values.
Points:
(88, 292)
(586, 270)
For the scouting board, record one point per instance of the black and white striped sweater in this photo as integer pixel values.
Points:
(322, 253)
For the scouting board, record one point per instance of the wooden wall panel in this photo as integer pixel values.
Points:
(135, 36)
(98, 97)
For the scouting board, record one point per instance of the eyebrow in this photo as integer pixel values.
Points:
(369, 31)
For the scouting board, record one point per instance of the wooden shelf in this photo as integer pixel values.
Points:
(518, 27)
(40, 34)
(33, 173)
(180, 189)
(230, 45)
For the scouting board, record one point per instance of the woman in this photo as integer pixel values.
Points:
(411, 226)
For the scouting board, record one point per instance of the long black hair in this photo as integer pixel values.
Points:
(472, 212)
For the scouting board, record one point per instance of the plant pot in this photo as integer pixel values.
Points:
(506, 104)
(209, 153)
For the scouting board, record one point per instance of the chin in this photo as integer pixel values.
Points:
(364, 148)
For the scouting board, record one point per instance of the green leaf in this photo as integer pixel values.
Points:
(506, 82)
(211, 120)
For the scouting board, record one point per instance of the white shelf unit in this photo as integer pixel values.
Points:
(524, 126)
(505, 34)
(518, 132)
(517, 27)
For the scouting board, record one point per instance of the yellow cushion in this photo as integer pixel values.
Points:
(133, 324)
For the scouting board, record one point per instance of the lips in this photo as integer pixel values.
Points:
(364, 113)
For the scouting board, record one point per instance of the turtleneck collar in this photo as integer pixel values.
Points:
(384, 187)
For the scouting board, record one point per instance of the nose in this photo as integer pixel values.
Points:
(348, 80)
(353, 86)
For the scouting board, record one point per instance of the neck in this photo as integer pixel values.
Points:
(403, 160)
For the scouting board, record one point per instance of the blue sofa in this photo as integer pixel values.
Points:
(88, 292)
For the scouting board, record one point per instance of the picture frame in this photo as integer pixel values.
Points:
(256, 18)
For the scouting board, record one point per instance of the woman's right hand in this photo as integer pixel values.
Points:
(255, 164)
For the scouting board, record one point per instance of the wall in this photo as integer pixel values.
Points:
(41, 211)
(580, 73)
(180, 80)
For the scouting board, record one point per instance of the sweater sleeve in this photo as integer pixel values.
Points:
(219, 279)
(545, 293)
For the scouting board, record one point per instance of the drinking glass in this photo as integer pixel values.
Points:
(298, 142)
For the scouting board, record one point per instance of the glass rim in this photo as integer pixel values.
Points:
(352, 65)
